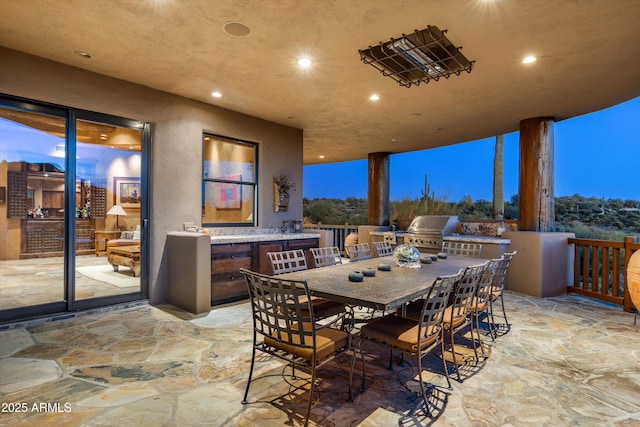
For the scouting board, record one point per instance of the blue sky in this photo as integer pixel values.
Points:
(596, 155)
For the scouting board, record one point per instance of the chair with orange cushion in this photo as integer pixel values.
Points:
(295, 260)
(481, 304)
(458, 314)
(284, 317)
(414, 337)
(498, 286)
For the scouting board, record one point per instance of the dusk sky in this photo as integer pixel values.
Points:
(596, 155)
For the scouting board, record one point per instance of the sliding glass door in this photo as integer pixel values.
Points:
(108, 222)
(32, 176)
(73, 209)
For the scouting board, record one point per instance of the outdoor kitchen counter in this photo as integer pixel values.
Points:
(492, 247)
(249, 238)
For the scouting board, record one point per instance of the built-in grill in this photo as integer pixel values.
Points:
(427, 232)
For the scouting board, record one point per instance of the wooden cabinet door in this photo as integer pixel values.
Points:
(263, 265)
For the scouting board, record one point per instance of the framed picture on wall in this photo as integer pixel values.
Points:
(127, 192)
(228, 195)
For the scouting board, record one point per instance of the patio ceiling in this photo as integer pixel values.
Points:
(588, 59)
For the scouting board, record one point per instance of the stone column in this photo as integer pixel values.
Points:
(535, 189)
(379, 189)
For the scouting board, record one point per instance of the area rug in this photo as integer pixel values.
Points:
(104, 273)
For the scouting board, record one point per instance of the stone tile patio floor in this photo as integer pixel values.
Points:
(566, 361)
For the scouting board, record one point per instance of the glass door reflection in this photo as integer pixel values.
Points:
(108, 201)
(32, 172)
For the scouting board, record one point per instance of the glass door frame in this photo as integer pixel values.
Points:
(71, 115)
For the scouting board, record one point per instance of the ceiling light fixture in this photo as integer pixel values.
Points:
(237, 29)
(321, 156)
(529, 59)
(374, 97)
(417, 58)
(304, 62)
(216, 94)
(82, 54)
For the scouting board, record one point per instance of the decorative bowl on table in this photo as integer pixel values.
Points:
(368, 272)
(407, 256)
(356, 276)
(384, 266)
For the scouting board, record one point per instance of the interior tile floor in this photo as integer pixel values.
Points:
(565, 361)
(35, 281)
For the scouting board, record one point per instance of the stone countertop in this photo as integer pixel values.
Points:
(458, 238)
(478, 239)
(248, 238)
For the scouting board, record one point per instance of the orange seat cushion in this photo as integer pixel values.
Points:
(396, 331)
(328, 341)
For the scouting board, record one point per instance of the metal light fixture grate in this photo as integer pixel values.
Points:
(419, 57)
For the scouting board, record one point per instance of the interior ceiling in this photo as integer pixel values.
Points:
(588, 59)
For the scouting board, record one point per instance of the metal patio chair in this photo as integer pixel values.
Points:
(324, 257)
(458, 314)
(284, 317)
(295, 260)
(358, 251)
(473, 250)
(383, 248)
(497, 288)
(414, 337)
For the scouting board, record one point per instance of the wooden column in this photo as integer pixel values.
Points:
(379, 189)
(535, 189)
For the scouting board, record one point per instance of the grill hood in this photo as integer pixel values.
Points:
(434, 224)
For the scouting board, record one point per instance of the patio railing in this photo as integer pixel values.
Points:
(599, 269)
(340, 232)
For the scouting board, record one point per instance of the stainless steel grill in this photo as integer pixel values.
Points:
(427, 232)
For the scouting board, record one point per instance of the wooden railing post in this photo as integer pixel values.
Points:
(626, 301)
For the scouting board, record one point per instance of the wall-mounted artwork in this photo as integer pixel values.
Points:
(228, 195)
(127, 192)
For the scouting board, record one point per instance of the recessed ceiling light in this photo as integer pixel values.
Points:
(237, 29)
(321, 156)
(82, 54)
(374, 97)
(304, 62)
(216, 94)
(529, 59)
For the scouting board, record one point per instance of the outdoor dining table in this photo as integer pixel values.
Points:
(386, 290)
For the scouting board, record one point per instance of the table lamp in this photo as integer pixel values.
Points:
(117, 211)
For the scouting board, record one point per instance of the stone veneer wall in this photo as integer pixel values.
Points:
(486, 227)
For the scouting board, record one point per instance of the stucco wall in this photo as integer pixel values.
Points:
(176, 153)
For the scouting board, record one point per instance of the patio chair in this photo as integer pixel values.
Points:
(458, 314)
(481, 304)
(414, 337)
(324, 257)
(358, 251)
(383, 248)
(287, 261)
(295, 260)
(497, 287)
(462, 248)
(283, 315)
